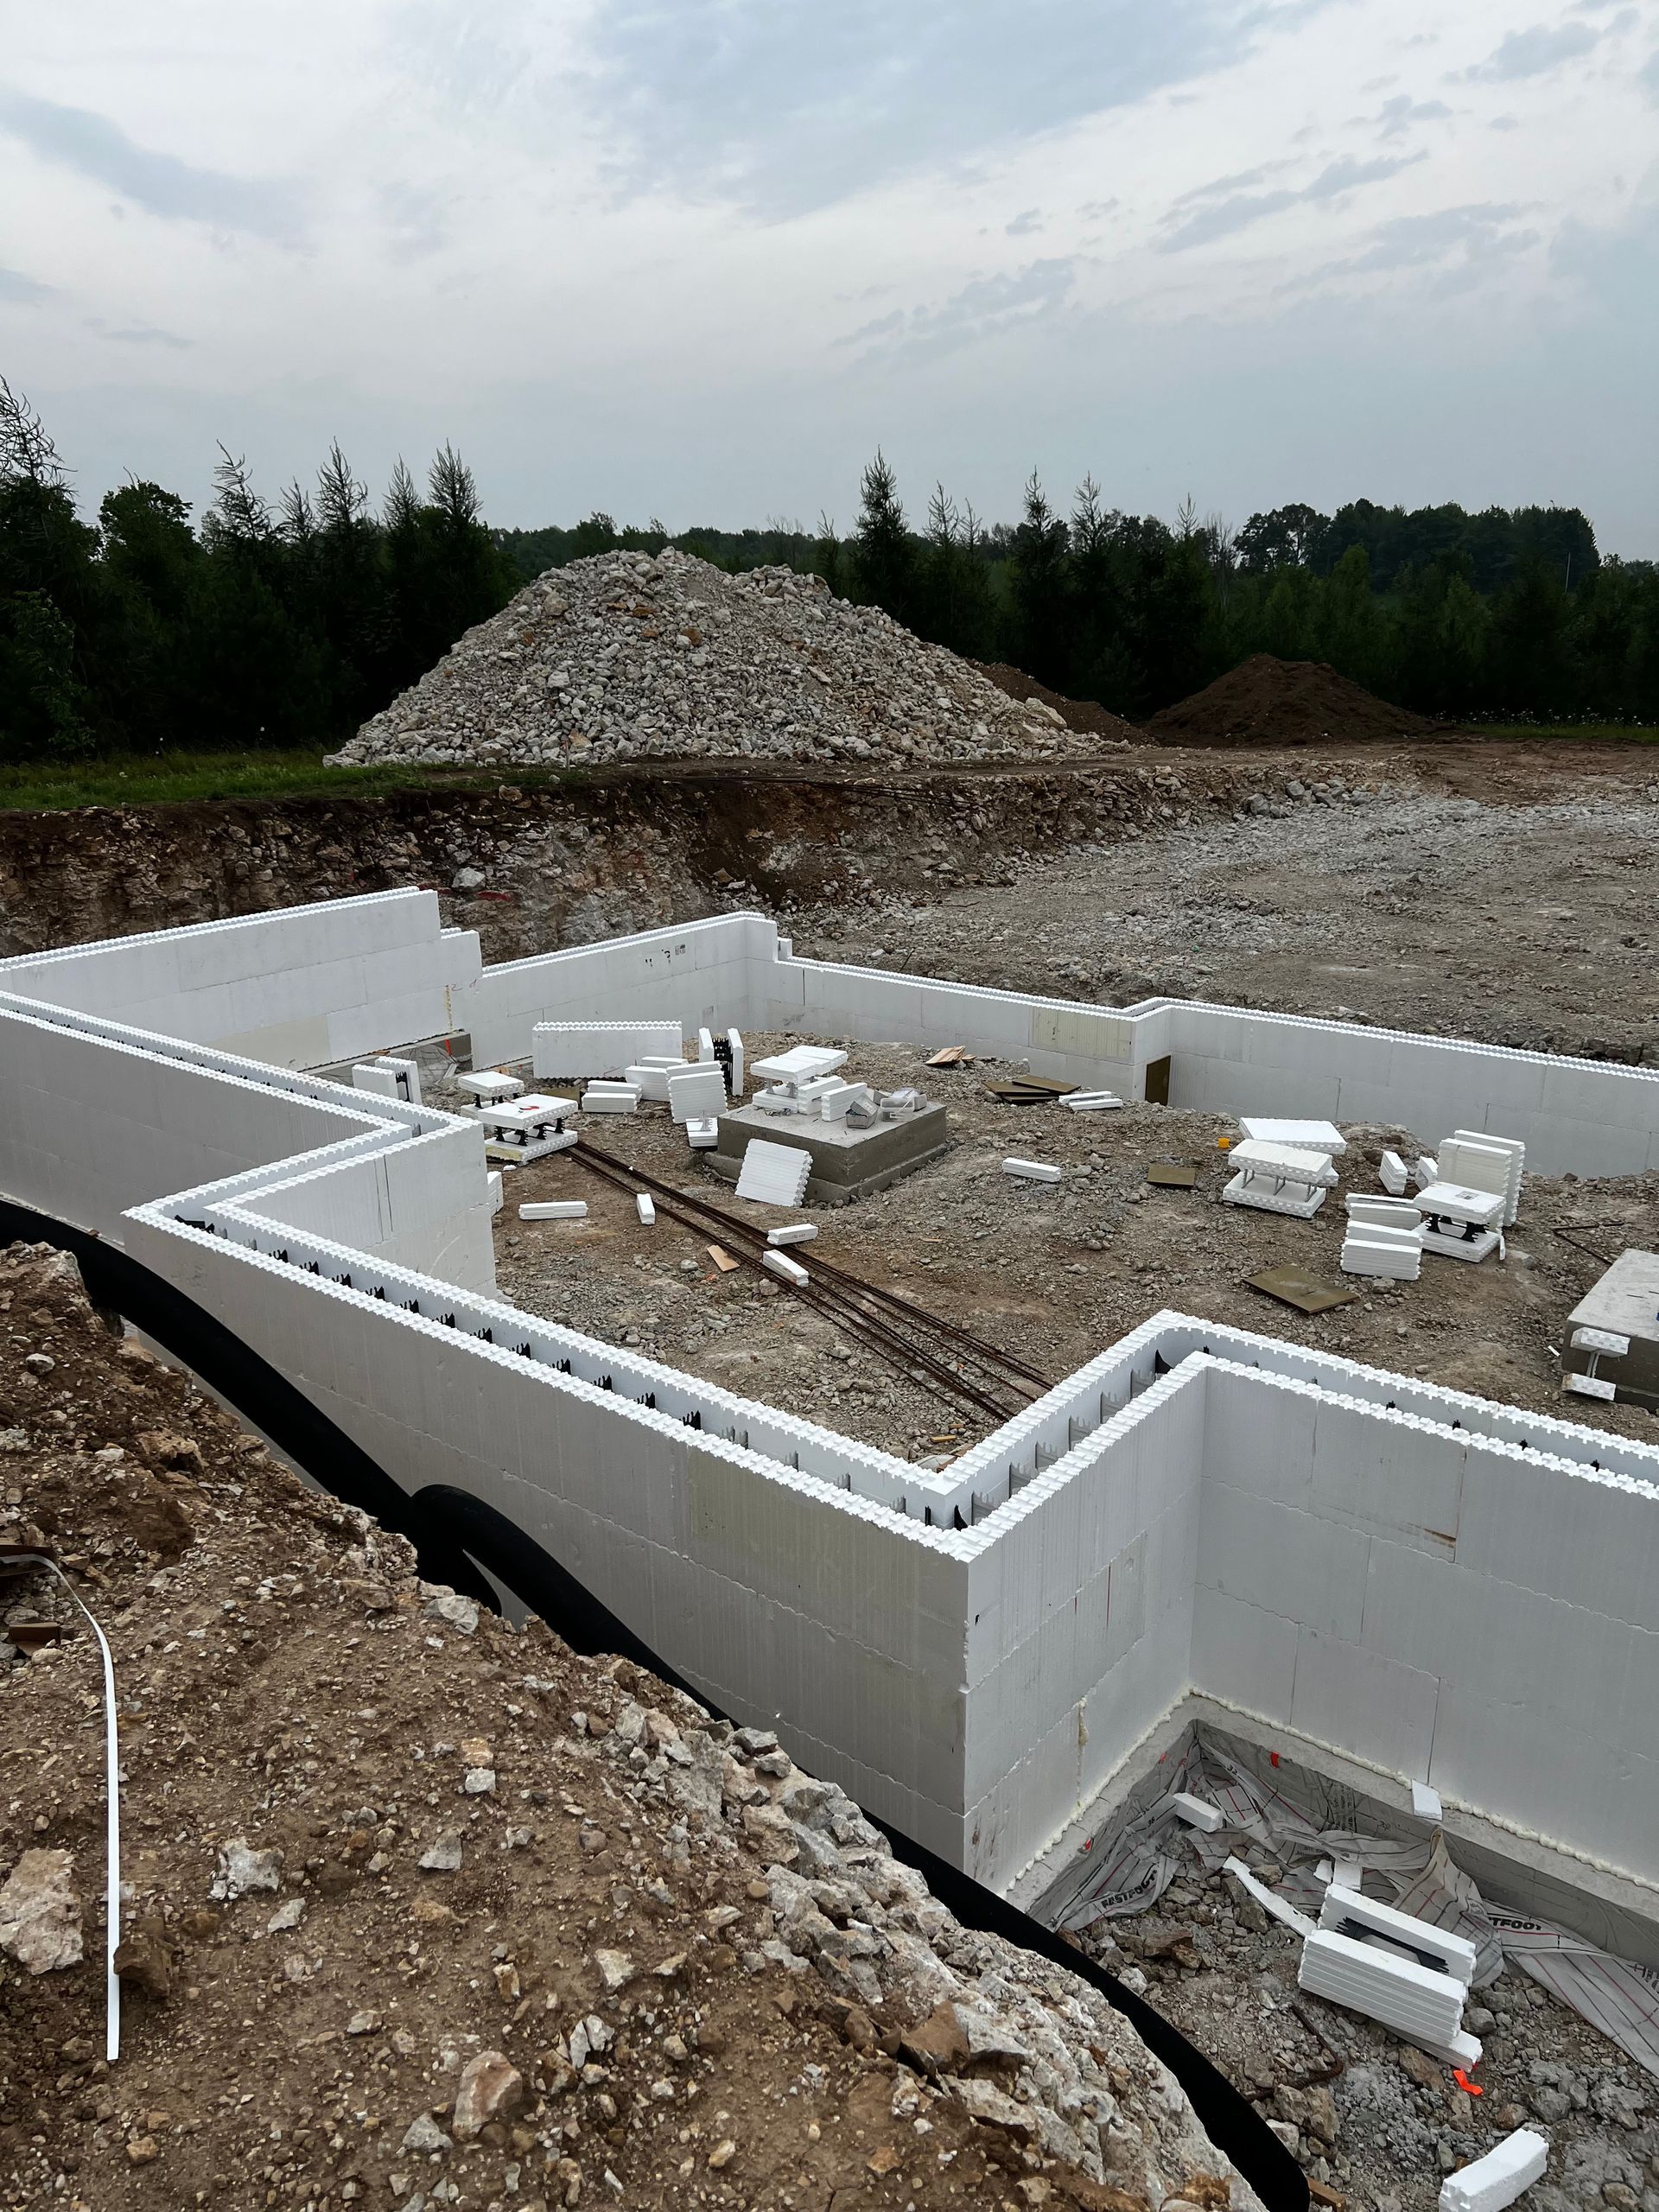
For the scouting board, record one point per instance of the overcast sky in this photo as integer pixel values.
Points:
(694, 258)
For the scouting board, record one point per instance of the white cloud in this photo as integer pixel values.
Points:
(617, 249)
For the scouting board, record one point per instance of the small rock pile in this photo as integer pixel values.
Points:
(623, 657)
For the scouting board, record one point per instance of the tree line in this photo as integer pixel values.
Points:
(1509, 613)
(273, 624)
(288, 622)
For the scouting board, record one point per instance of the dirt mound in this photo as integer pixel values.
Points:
(428, 1910)
(1265, 700)
(1086, 716)
(623, 657)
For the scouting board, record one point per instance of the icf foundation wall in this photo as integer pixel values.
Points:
(1479, 1614)
(1447, 1588)
(304, 987)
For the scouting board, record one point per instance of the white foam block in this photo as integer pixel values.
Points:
(697, 1094)
(1607, 1340)
(610, 1101)
(702, 1135)
(1505, 2173)
(1091, 1102)
(779, 1263)
(835, 1098)
(1412, 1999)
(1385, 1213)
(1426, 1171)
(793, 1232)
(705, 1046)
(650, 1083)
(1399, 1259)
(1347, 1911)
(1196, 1812)
(1270, 1900)
(1259, 1156)
(381, 1080)
(1426, 1803)
(1294, 1199)
(1395, 1174)
(554, 1210)
(773, 1174)
(1592, 1386)
(734, 1041)
(496, 1189)
(645, 1206)
(1310, 1136)
(489, 1083)
(1032, 1170)
(800, 1065)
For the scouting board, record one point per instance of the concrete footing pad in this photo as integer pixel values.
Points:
(846, 1163)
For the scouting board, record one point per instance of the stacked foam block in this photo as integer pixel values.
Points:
(773, 1174)
(1410, 1976)
(1385, 1238)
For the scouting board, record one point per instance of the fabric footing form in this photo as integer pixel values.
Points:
(1137, 1855)
(773, 1174)
(1506, 2172)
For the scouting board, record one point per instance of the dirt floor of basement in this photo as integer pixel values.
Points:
(1054, 1273)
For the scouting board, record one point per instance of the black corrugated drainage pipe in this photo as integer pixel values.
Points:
(456, 1535)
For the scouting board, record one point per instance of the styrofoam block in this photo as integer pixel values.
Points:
(382, 1080)
(834, 1098)
(554, 1210)
(1196, 1812)
(779, 1263)
(1032, 1171)
(1410, 1998)
(1401, 1260)
(1091, 1102)
(735, 1044)
(793, 1232)
(705, 1046)
(645, 1206)
(650, 1083)
(1506, 2172)
(1299, 1199)
(496, 1185)
(1426, 1171)
(702, 1135)
(623, 1101)
(1395, 1174)
(1307, 1136)
(773, 1174)
(1350, 1913)
(697, 1094)
(1393, 1214)
(1426, 1803)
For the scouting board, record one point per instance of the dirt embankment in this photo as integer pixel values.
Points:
(1266, 700)
(426, 1910)
(1086, 716)
(544, 865)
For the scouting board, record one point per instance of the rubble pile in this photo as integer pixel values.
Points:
(426, 1911)
(623, 657)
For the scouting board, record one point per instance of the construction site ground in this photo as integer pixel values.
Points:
(1053, 1273)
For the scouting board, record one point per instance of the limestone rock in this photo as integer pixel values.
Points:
(491, 2088)
(40, 1913)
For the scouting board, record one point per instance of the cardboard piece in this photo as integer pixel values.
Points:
(1295, 1287)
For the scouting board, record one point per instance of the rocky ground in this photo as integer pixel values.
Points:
(426, 1912)
(1375, 2120)
(625, 657)
(1052, 1273)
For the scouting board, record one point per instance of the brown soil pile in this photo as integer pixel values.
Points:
(1265, 700)
(1085, 715)
(425, 1910)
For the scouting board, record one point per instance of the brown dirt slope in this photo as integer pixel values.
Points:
(1086, 716)
(1265, 700)
(428, 1910)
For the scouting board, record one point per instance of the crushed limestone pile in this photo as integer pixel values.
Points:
(622, 657)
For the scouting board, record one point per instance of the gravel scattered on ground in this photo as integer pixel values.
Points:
(428, 1911)
(1373, 2120)
(1052, 1273)
(622, 656)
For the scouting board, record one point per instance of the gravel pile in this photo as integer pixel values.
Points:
(623, 657)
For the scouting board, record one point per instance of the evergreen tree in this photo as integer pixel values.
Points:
(1040, 627)
(885, 559)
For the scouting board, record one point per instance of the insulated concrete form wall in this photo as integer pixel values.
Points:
(1585, 1117)
(1465, 1611)
(1412, 1575)
(301, 988)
